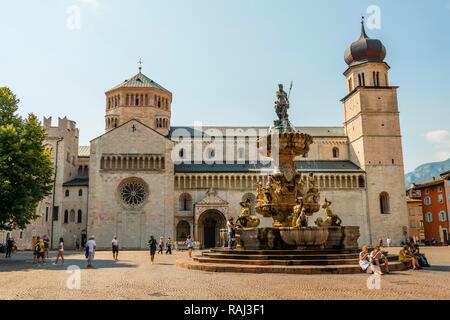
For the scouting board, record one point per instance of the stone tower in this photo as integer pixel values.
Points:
(142, 99)
(372, 125)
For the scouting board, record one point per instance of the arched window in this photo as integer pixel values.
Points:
(80, 216)
(66, 216)
(384, 203)
(183, 230)
(181, 153)
(442, 216)
(429, 217)
(427, 201)
(335, 152)
(80, 192)
(67, 193)
(185, 202)
(80, 171)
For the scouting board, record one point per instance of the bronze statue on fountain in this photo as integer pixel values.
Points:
(289, 197)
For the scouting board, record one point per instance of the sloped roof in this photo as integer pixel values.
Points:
(140, 81)
(310, 166)
(84, 151)
(76, 183)
(313, 131)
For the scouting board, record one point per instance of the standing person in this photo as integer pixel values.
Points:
(77, 245)
(40, 250)
(115, 248)
(161, 245)
(91, 246)
(190, 245)
(9, 246)
(231, 228)
(46, 241)
(60, 253)
(33, 246)
(388, 241)
(152, 246)
(169, 246)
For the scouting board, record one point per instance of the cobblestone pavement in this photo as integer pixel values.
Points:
(133, 277)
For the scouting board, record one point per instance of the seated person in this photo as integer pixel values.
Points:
(406, 257)
(364, 260)
(423, 262)
(379, 259)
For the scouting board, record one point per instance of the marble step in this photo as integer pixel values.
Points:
(315, 256)
(246, 268)
(318, 262)
(284, 252)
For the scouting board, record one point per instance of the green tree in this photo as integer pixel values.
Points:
(25, 165)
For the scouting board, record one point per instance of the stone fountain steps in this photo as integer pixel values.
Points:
(296, 262)
(284, 269)
(284, 252)
(314, 256)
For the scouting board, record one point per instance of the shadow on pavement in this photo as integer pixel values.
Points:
(24, 262)
(438, 268)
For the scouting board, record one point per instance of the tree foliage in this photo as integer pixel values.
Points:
(25, 165)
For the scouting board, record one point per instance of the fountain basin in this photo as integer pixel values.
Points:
(305, 237)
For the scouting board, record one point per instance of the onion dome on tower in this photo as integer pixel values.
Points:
(365, 49)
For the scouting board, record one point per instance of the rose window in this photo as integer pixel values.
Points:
(133, 193)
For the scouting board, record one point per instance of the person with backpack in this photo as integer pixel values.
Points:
(60, 253)
(40, 250)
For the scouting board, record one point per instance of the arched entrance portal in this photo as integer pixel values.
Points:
(209, 225)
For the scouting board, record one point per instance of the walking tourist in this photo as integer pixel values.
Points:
(407, 257)
(231, 229)
(379, 259)
(40, 250)
(46, 245)
(115, 248)
(364, 260)
(90, 248)
(9, 247)
(388, 242)
(190, 245)
(169, 246)
(161, 245)
(60, 253)
(152, 246)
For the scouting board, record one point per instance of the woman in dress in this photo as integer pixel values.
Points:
(364, 260)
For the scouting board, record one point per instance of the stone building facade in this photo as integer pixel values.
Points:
(145, 177)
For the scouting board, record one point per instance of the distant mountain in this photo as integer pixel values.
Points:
(426, 172)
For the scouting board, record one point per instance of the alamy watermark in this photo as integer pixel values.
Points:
(73, 282)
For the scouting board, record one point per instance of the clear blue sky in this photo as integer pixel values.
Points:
(223, 60)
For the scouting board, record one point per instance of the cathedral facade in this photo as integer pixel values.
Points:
(145, 177)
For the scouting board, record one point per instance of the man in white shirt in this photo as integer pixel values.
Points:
(115, 247)
(90, 247)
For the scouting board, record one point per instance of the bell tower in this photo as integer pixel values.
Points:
(142, 99)
(372, 124)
